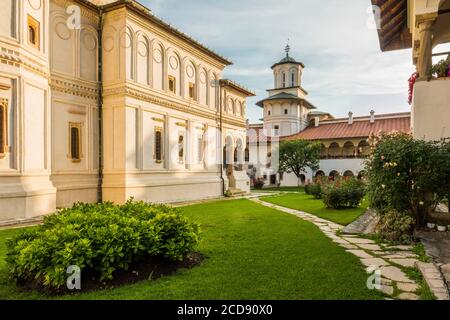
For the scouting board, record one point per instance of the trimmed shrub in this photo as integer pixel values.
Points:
(396, 226)
(315, 190)
(100, 239)
(343, 194)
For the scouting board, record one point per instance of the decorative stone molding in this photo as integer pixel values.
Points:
(73, 88)
(16, 59)
(188, 108)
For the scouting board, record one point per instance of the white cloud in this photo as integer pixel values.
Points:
(343, 61)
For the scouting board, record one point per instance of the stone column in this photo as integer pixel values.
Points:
(424, 61)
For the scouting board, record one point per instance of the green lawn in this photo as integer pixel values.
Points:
(253, 252)
(307, 203)
(285, 189)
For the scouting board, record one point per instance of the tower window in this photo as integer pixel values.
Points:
(3, 127)
(276, 130)
(284, 80)
(181, 148)
(172, 84)
(268, 112)
(33, 32)
(75, 141)
(292, 79)
(191, 90)
(286, 111)
(158, 149)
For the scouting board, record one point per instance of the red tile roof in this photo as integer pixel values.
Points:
(360, 128)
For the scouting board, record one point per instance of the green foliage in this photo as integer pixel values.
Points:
(315, 190)
(343, 193)
(441, 68)
(396, 226)
(407, 175)
(297, 155)
(100, 239)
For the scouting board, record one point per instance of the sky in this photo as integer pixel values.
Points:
(345, 68)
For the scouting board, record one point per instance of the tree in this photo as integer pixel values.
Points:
(298, 155)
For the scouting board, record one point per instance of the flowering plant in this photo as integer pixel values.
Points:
(412, 81)
(441, 69)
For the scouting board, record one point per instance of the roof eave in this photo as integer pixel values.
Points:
(146, 13)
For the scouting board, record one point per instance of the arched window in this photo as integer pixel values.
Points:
(284, 80)
(292, 79)
(348, 150)
(286, 111)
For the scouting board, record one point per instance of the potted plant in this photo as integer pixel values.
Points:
(441, 226)
(431, 224)
(441, 69)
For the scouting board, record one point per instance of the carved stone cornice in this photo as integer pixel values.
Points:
(74, 88)
(152, 98)
(17, 59)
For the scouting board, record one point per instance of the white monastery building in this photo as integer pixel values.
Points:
(288, 116)
(101, 100)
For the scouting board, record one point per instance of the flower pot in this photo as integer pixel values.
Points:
(442, 228)
(431, 225)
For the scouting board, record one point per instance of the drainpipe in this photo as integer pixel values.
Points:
(219, 84)
(100, 110)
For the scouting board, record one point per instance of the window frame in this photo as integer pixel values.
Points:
(160, 130)
(79, 127)
(174, 81)
(34, 25)
(181, 147)
(192, 93)
(4, 148)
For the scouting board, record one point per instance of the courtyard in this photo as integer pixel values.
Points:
(252, 252)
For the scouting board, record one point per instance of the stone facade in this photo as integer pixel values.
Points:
(139, 118)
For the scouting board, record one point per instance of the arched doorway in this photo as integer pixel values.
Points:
(363, 149)
(334, 151)
(333, 175)
(302, 179)
(319, 175)
(348, 174)
(362, 175)
(349, 150)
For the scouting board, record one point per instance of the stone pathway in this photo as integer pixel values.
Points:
(381, 259)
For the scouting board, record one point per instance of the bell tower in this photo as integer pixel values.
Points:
(286, 109)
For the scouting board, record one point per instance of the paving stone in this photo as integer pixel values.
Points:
(389, 290)
(401, 247)
(408, 287)
(370, 246)
(405, 262)
(360, 254)
(395, 274)
(359, 240)
(349, 246)
(374, 262)
(408, 296)
(446, 271)
(340, 241)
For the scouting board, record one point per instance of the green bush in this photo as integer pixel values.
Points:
(100, 239)
(395, 226)
(315, 190)
(343, 194)
(407, 175)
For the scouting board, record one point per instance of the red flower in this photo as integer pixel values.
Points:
(412, 81)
